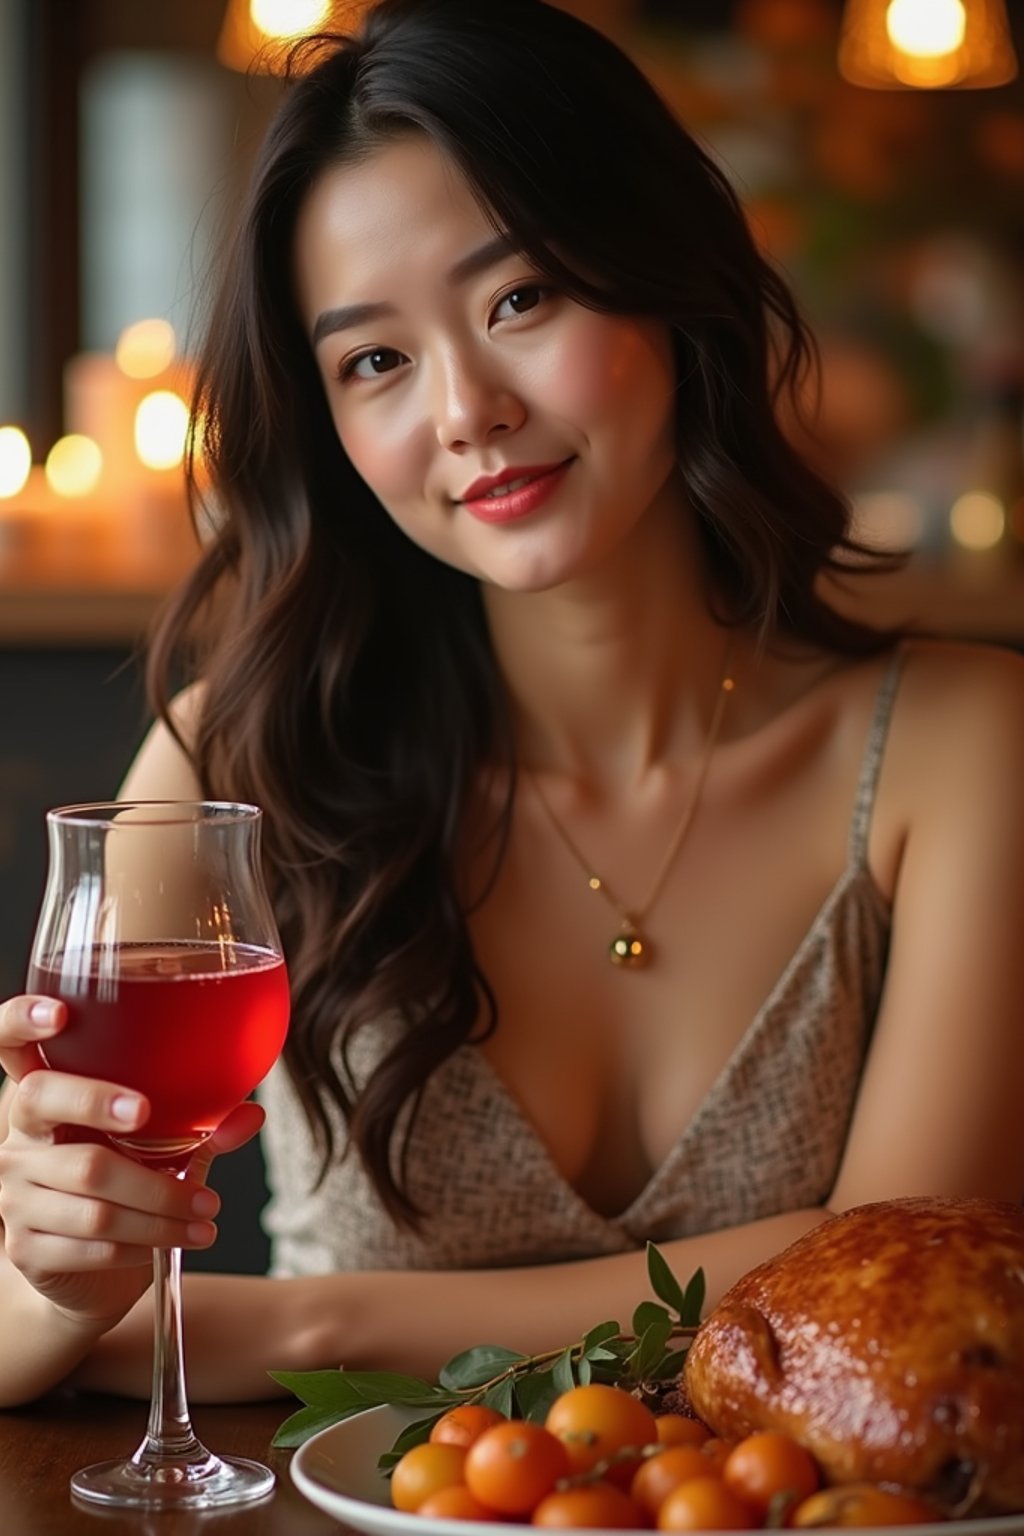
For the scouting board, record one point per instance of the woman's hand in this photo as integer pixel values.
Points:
(80, 1218)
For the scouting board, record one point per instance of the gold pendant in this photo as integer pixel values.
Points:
(628, 949)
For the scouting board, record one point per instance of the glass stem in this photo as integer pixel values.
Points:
(169, 1436)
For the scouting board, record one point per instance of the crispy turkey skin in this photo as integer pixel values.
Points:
(890, 1342)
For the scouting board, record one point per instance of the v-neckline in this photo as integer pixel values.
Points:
(620, 1222)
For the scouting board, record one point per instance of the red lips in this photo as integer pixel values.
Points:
(507, 477)
(505, 506)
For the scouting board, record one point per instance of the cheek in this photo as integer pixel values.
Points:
(616, 374)
(383, 453)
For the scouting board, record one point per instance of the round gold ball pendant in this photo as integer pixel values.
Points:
(628, 950)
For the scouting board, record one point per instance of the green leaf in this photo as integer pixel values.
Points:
(306, 1422)
(476, 1367)
(584, 1371)
(663, 1282)
(534, 1394)
(609, 1360)
(671, 1365)
(643, 1363)
(648, 1314)
(501, 1397)
(561, 1372)
(363, 1389)
(416, 1433)
(693, 1301)
(599, 1335)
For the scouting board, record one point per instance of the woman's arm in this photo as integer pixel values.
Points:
(939, 1106)
(237, 1328)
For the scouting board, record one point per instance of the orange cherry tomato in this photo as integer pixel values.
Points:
(424, 1470)
(677, 1429)
(716, 1452)
(769, 1465)
(513, 1465)
(862, 1504)
(464, 1424)
(705, 1504)
(596, 1421)
(455, 1503)
(656, 1477)
(596, 1506)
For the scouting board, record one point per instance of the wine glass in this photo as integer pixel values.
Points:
(157, 933)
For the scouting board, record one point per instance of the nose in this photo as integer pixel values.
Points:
(473, 401)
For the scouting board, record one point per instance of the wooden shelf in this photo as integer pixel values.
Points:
(97, 584)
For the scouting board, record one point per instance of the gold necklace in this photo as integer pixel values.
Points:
(629, 948)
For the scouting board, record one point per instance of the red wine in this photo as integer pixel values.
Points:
(192, 1026)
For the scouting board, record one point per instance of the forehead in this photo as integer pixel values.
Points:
(404, 203)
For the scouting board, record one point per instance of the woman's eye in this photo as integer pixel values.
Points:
(520, 301)
(370, 365)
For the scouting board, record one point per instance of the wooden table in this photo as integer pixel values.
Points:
(42, 1445)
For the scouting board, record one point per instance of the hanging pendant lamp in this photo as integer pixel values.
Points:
(926, 44)
(256, 35)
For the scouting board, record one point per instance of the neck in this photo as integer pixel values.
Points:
(619, 669)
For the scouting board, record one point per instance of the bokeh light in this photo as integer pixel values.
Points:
(161, 429)
(977, 520)
(15, 460)
(288, 18)
(74, 465)
(146, 348)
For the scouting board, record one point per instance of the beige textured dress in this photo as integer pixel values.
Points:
(768, 1137)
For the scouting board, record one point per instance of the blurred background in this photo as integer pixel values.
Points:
(877, 145)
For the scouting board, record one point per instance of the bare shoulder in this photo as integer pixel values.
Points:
(957, 745)
(163, 767)
(965, 698)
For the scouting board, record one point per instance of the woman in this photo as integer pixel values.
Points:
(513, 623)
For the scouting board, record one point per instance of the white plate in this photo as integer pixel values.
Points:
(337, 1471)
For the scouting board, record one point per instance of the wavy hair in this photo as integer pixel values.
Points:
(349, 682)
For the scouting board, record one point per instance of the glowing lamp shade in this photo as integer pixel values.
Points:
(15, 460)
(161, 429)
(926, 44)
(146, 348)
(256, 34)
(74, 465)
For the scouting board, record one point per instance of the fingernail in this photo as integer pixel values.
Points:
(205, 1203)
(199, 1231)
(126, 1108)
(43, 1016)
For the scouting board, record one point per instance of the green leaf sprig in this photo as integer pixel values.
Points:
(646, 1358)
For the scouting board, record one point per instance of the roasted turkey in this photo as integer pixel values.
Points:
(890, 1342)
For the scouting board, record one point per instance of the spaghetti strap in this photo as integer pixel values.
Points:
(871, 766)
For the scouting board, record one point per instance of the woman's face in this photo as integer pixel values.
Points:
(506, 429)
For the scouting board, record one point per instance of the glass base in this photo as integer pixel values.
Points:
(207, 1483)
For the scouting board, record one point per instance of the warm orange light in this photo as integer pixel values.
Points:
(161, 428)
(257, 34)
(926, 29)
(15, 460)
(928, 44)
(283, 19)
(74, 465)
(977, 520)
(146, 348)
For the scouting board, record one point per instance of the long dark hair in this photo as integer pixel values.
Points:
(350, 686)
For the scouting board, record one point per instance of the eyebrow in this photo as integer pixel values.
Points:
(349, 315)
